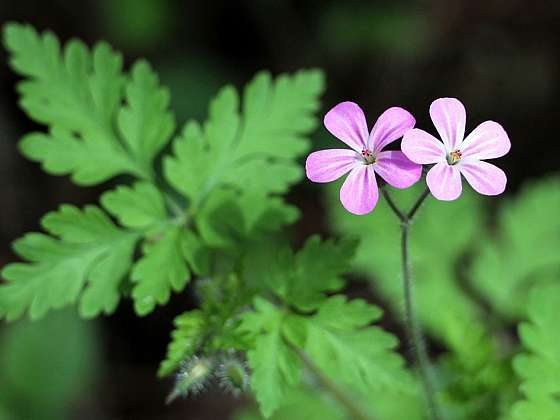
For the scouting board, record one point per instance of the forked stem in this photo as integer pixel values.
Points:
(412, 325)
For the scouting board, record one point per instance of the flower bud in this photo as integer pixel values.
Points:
(192, 377)
(233, 376)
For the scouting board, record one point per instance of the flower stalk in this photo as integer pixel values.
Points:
(412, 325)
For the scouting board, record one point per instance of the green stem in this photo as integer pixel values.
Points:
(353, 409)
(412, 325)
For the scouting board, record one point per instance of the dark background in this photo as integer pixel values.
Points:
(501, 58)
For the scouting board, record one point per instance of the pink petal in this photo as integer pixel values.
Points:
(359, 192)
(390, 126)
(395, 168)
(449, 116)
(487, 141)
(347, 122)
(328, 165)
(422, 147)
(484, 177)
(444, 181)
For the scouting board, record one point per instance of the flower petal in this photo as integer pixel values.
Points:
(444, 181)
(487, 141)
(449, 116)
(395, 168)
(422, 147)
(328, 165)
(484, 177)
(347, 122)
(359, 192)
(390, 126)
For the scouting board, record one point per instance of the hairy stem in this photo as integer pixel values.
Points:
(353, 409)
(412, 325)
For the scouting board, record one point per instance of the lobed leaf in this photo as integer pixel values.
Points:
(525, 250)
(276, 369)
(340, 342)
(249, 150)
(185, 340)
(163, 268)
(303, 279)
(139, 206)
(77, 93)
(85, 260)
(539, 366)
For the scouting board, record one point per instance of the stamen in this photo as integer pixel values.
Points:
(368, 156)
(454, 157)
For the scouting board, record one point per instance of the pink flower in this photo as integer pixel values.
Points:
(347, 122)
(457, 155)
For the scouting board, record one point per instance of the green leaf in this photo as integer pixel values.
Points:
(78, 95)
(525, 250)
(139, 206)
(185, 340)
(145, 123)
(228, 218)
(87, 262)
(337, 338)
(162, 269)
(539, 365)
(275, 367)
(342, 345)
(301, 403)
(196, 254)
(264, 137)
(303, 279)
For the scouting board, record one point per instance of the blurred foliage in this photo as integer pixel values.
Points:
(361, 28)
(439, 237)
(46, 366)
(301, 404)
(524, 249)
(457, 252)
(138, 24)
(539, 365)
(192, 83)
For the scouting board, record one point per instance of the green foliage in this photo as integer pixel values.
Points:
(85, 260)
(336, 338)
(303, 278)
(332, 332)
(104, 122)
(539, 366)
(275, 367)
(228, 155)
(185, 340)
(139, 206)
(46, 366)
(394, 30)
(145, 122)
(301, 403)
(162, 268)
(437, 242)
(340, 343)
(524, 250)
(212, 329)
(78, 94)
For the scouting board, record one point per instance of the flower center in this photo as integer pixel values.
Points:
(368, 156)
(454, 157)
